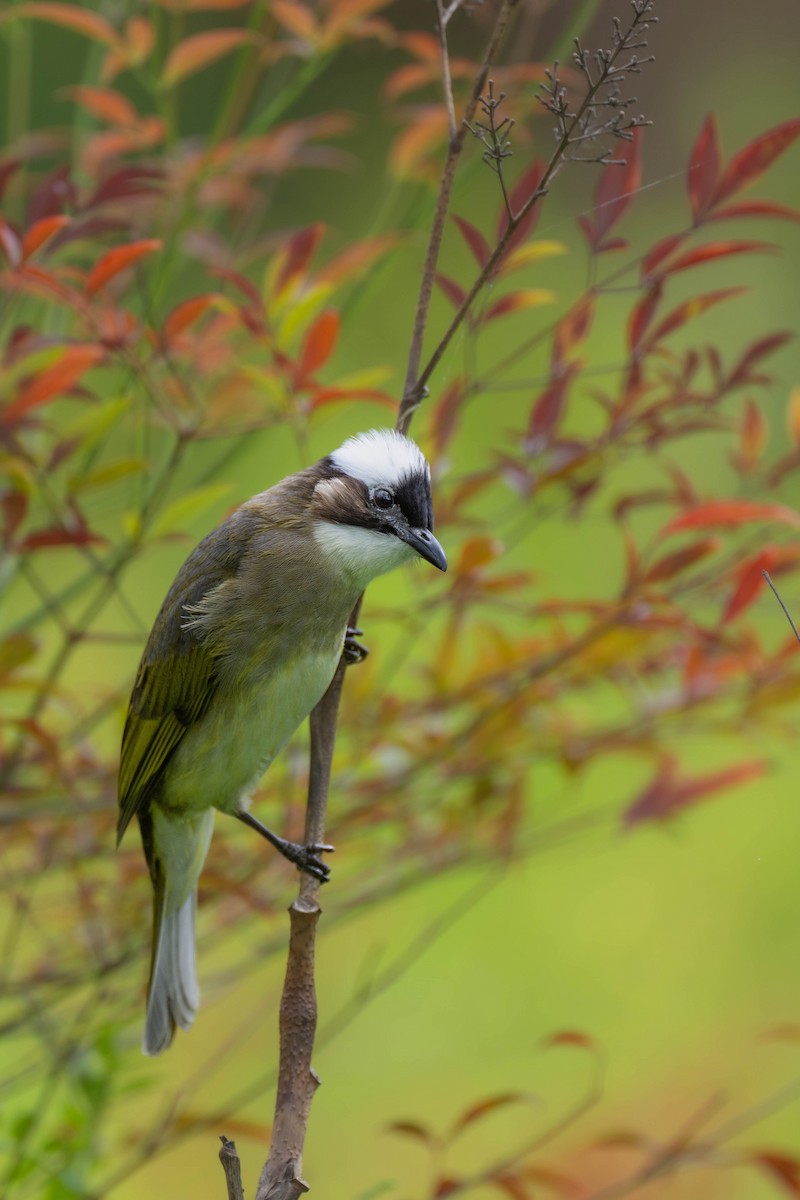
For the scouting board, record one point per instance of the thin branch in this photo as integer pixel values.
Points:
(414, 388)
(232, 1168)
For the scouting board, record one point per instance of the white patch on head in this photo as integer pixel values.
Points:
(381, 456)
(361, 554)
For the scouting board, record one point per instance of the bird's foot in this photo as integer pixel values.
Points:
(307, 858)
(353, 652)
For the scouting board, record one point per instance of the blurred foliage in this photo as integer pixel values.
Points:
(162, 318)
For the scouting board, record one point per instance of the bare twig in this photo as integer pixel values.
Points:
(232, 1168)
(786, 612)
(414, 388)
(573, 123)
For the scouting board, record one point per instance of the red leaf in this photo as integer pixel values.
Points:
(475, 240)
(671, 565)
(187, 314)
(781, 1167)
(730, 513)
(742, 372)
(613, 197)
(201, 49)
(751, 582)
(319, 343)
(642, 316)
(755, 208)
(572, 330)
(454, 291)
(714, 250)
(296, 254)
(703, 170)
(41, 232)
(446, 1186)
(524, 189)
(446, 414)
(117, 260)
(548, 409)
(754, 159)
(658, 253)
(336, 395)
(54, 381)
(14, 506)
(56, 536)
(668, 795)
(689, 310)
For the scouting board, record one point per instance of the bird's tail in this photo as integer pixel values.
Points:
(173, 994)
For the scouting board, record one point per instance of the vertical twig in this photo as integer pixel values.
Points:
(414, 389)
(232, 1168)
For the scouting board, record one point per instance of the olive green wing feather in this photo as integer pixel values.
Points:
(177, 676)
(172, 692)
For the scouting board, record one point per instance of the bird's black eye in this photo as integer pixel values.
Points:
(382, 498)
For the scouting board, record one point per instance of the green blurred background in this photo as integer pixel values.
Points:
(674, 949)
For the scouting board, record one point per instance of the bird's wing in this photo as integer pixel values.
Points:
(173, 689)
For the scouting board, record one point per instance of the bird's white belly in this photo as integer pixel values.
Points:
(221, 759)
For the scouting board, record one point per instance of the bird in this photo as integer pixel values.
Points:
(245, 644)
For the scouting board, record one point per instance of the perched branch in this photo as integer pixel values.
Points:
(281, 1178)
(232, 1168)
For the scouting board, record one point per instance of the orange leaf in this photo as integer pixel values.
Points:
(186, 314)
(105, 104)
(730, 513)
(117, 260)
(70, 16)
(751, 582)
(319, 343)
(54, 381)
(514, 301)
(201, 49)
(41, 232)
(781, 1167)
(793, 415)
(752, 436)
(297, 18)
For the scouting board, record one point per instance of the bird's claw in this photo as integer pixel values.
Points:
(307, 858)
(352, 651)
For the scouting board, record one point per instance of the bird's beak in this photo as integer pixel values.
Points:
(425, 544)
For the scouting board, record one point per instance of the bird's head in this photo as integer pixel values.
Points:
(371, 506)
